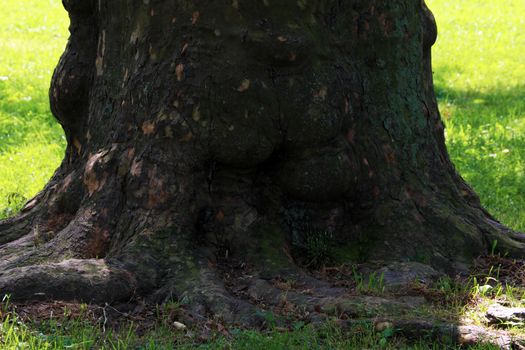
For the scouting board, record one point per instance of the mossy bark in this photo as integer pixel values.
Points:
(200, 131)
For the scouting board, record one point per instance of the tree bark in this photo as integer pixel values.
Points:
(253, 131)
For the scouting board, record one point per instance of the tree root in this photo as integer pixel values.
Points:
(91, 258)
(205, 292)
(437, 331)
(13, 228)
(89, 280)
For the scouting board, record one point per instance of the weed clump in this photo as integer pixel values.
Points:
(315, 248)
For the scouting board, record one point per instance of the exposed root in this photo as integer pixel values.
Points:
(238, 295)
(13, 228)
(48, 213)
(206, 297)
(80, 237)
(91, 280)
(504, 240)
(20, 253)
(437, 331)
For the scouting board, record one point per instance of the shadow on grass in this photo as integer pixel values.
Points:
(482, 106)
(486, 140)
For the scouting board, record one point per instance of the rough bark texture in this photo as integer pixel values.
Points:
(242, 130)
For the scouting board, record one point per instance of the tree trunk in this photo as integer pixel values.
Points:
(281, 135)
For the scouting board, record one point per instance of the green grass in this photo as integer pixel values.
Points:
(479, 65)
(479, 72)
(67, 332)
(32, 37)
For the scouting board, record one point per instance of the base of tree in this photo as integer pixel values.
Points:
(51, 256)
(415, 312)
(47, 252)
(282, 138)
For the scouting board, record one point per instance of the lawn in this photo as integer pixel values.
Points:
(32, 37)
(479, 71)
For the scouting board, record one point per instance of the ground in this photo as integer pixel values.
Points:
(370, 316)
(478, 65)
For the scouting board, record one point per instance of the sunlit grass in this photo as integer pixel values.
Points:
(479, 72)
(33, 34)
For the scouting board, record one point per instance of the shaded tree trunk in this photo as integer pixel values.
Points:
(242, 130)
